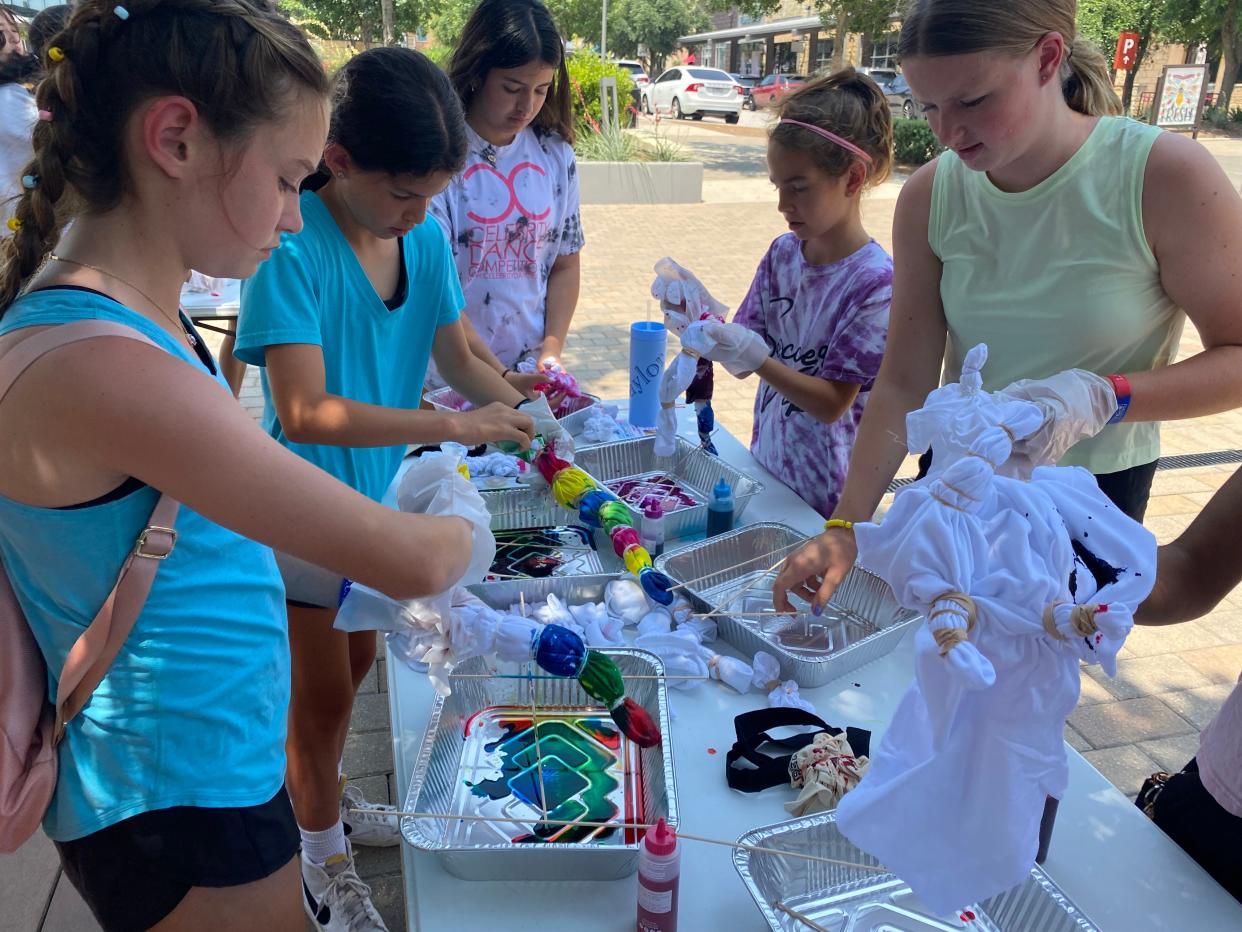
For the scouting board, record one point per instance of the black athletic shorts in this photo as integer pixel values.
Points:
(134, 873)
(1204, 829)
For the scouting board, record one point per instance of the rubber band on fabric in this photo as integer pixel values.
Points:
(948, 638)
(1082, 620)
(832, 137)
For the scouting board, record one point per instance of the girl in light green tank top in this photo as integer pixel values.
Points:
(1058, 233)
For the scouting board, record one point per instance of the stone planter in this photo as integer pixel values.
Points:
(640, 182)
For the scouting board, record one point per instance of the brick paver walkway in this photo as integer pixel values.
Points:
(1170, 681)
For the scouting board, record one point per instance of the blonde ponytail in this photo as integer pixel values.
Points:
(1086, 80)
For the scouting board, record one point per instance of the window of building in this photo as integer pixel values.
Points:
(884, 51)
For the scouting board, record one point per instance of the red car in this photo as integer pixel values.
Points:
(774, 87)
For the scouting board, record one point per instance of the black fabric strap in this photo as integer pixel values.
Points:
(749, 769)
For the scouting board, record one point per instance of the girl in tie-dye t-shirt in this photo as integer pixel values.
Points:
(820, 297)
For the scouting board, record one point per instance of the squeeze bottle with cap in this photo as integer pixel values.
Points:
(720, 509)
(659, 874)
(653, 527)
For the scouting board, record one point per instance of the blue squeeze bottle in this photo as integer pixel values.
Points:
(720, 509)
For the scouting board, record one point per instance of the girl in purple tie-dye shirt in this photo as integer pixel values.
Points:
(820, 297)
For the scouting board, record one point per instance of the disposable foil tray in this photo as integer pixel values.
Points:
(694, 470)
(579, 410)
(565, 550)
(838, 898)
(478, 758)
(861, 623)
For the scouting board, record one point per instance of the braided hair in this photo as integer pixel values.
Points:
(240, 62)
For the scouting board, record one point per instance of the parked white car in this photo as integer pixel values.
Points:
(691, 91)
(637, 72)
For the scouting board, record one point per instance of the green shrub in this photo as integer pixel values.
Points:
(1235, 115)
(913, 142)
(608, 145)
(585, 70)
(440, 54)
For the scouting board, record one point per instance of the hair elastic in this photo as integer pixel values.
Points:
(30, 182)
(14, 224)
(831, 137)
(45, 116)
(120, 12)
(56, 53)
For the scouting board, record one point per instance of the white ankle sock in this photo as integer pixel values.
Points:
(319, 846)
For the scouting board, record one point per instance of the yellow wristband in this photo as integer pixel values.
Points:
(838, 522)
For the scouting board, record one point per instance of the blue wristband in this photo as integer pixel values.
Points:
(1121, 385)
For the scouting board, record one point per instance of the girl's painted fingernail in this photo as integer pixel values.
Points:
(817, 610)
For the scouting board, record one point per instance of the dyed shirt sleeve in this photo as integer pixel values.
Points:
(279, 303)
(858, 341)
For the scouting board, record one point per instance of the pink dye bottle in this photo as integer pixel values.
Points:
(659, 874)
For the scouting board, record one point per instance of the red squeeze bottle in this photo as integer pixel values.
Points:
(659, 874)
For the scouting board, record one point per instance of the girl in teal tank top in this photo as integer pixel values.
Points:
(178, 131)
(1073, 242)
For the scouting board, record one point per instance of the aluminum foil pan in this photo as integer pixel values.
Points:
(852, 899)
(446, 399)
(463, 759)
(693, 469)
(861, 623)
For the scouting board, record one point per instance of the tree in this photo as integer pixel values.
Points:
(579, 18)
(1193, 20)
(357, 20)
(1102, 21)
(869, 17)
(655, 25)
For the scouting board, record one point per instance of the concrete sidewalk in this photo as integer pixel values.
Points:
(1170, 681)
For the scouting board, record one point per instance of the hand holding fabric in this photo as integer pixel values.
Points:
(1076, 405)
(678, 288)
(738, 349)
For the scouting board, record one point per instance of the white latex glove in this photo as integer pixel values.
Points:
(677, 287)
(433, 486)
(1076, 404)
(738, 349)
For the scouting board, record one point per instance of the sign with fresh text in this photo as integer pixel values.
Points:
(1179, 101)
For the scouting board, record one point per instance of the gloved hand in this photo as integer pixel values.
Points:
(1076, 404)
(434, 486)
(738, 349)
(677, 288)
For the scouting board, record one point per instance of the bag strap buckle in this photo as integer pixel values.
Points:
(169, 542)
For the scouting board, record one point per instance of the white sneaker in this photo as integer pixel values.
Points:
(373, 824)
(335, 897)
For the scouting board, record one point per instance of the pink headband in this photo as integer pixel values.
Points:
(832, 137)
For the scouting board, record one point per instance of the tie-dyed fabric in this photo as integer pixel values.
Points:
(829, 321)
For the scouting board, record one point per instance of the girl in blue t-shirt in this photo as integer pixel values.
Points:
(174, 133)
(343, 320)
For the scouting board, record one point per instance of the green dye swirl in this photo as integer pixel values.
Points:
(615, 514)
(601, 678)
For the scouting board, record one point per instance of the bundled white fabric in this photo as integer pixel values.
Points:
(677, 287)
(739, 349)
(494, 464)
(437, 643)
(656, 621)
(786, 696)
(676, 379)
(1011, 575)
(625, 599)
(824, 770)
(684, 655)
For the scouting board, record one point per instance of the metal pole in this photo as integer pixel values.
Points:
(603, 31)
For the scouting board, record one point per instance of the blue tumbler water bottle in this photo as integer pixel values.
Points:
(647, 343)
